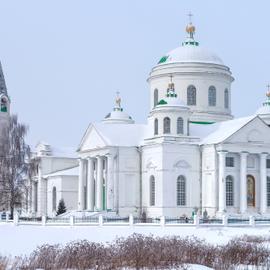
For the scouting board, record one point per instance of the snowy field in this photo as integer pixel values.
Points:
(21, 240)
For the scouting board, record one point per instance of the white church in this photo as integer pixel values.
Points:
(191, 155)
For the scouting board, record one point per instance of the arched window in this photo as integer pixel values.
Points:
(191, 95)
(54, 199)
(268, 190)
(180, 125)
(155, 97)
(212, 96)
(226, 98)
(166, 125)
(181, 190)
(229, 191)
(156, 127)
(3, 105)
(152, 191)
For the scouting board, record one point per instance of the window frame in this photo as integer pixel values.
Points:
(226, 99)
(152, 191)
(191, 95)
(180, 125)
(155, 97)
(156, 126)
(229, 186)
(229, 162)
(166, 125)
(181, 191)
(212, 96)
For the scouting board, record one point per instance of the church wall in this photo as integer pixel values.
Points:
(166, 162)
(152, 164)
(66, 188)
(129, 180)
(209, 179)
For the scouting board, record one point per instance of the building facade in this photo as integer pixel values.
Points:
(190, 156)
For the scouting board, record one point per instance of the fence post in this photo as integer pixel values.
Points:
(196, 220)
(7, 217)
(71, 220)
(225, 220)
(252, 221)
(16, 219)
(100, 220)
(131, 220)
(43, 220)
(162, 221)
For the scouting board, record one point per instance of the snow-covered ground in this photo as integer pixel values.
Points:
(20, 240)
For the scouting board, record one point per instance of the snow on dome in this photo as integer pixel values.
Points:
(190, 54)
(171, 99)
(263, 110)
(118, 115)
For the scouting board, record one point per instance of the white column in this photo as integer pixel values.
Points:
(33, 197)
(99, 182)
(90, 185)
(115, 187)
(81, 184)
(243, 182)
(221, 181)
(263, 175)
(110, 184)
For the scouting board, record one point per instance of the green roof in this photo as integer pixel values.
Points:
(162, 102)
(163, 59)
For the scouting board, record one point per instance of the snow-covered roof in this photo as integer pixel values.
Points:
(74, 171)
(121, 134)
(191, 54)
(218, 132)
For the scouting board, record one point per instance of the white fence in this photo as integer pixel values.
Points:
(100, 220)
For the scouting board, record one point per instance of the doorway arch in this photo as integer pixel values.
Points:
(251, 191)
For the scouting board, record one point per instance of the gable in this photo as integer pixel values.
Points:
(92, 140)
(255, 131)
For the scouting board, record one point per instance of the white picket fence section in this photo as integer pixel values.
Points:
(100, 220)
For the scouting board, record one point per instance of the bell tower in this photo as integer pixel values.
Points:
(4, 100)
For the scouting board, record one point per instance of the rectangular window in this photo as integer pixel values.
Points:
(229, 162)
(268, 191)
(268, 163)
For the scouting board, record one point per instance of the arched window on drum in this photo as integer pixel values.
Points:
(191, 95)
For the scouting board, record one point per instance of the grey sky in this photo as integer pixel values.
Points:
(64, 60)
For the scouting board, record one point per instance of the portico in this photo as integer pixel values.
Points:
(242, 181)
(97, 182)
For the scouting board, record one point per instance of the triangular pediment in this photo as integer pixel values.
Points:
(92, 139)
(255, 131)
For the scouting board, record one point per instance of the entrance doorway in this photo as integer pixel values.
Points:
(250, 191)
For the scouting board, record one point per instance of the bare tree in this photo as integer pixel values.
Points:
(14, 165)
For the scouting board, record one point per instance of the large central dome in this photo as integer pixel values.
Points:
(190, 54)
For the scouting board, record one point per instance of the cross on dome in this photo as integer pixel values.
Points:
(190, 29)
(118, 102)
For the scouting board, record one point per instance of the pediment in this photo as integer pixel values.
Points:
(182, 164)
(92, 139)
(256, 131)
(150, 164)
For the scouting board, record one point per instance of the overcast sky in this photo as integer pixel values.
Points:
(64, 60)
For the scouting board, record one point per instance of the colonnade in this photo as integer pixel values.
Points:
(97, 183)
(243, 182)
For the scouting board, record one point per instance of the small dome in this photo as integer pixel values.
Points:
(118, 115)
(171, 100)
(190, 54)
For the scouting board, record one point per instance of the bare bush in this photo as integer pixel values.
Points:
(146, 252)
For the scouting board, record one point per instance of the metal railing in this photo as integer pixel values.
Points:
(180, 220)
(86, 219)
